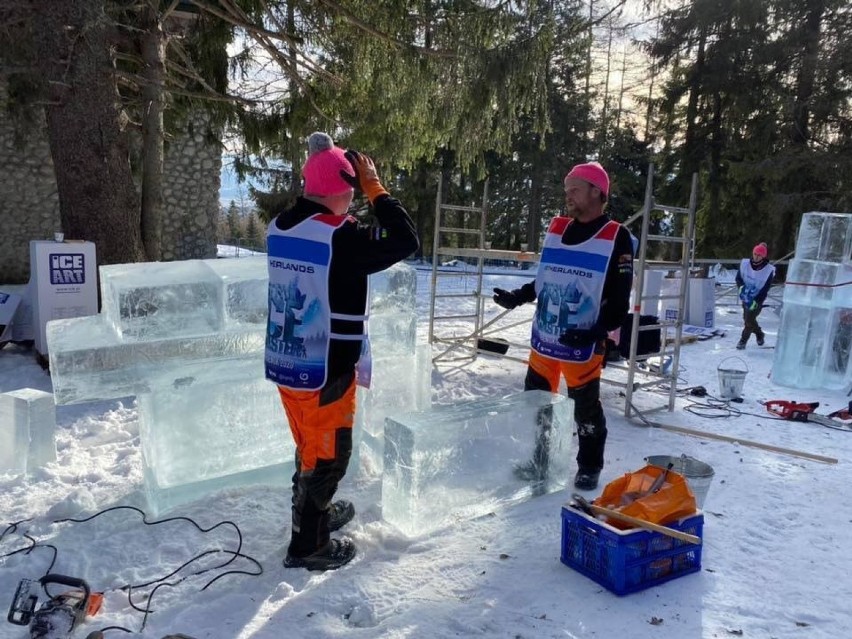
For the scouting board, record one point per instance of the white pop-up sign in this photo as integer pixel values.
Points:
(63, 284)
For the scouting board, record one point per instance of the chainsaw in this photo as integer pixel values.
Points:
(804, 412)
(60, 614)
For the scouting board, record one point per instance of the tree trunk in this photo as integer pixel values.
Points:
(691, 151)
(97, 196)
(807, 73)
(153, 103)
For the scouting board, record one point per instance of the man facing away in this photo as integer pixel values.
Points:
(587, 261)
(754, 278)
(319, 262)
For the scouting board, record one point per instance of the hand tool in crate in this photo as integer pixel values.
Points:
(580, 502)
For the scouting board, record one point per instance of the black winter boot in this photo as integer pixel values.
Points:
(336, 553)
(340, 513)
(586, 479)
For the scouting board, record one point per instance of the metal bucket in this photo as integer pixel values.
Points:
(731, 380)
(698, 475)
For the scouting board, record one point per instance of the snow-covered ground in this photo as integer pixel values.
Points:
(775, 556)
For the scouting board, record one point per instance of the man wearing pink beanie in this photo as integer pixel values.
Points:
(754, 279)
(586, 270)
(319, 262)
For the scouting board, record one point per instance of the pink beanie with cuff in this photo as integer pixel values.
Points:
(322, 170)
(760, 250)
(593, 173)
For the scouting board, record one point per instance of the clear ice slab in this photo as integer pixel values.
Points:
(89, 362)
(824, 237)
(27, 430)
(401, 383)
(201, 432)
(465, 460)
(154, 300)
(245, 282)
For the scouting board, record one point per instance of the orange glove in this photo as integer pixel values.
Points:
(365, 175)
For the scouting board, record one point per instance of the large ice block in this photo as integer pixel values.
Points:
(394, 288)
(812, 282)
(157, 300)
(244, 290)
(200, 434)
(27, 430)
(825, 237)
(813, 344)
(401, 384)
(393, 318)
(464, 460)
(802, 340)
(90, 362)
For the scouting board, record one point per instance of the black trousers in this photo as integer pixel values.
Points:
(588, 415)
(751, 325)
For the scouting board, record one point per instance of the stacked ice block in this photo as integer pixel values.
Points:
(187, 338)
(465, 460)
(815, 337)
(27, 430)
(401, 375)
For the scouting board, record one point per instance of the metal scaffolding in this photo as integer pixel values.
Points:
(665, 375)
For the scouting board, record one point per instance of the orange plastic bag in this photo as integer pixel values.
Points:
(631, 494)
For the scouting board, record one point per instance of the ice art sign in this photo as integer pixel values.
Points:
(63, 284)
(67, 268)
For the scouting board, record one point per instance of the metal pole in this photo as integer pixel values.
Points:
(435, 240)
(686, 257)
(480, 265)
(639, 290)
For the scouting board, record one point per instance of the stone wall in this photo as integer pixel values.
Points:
(191, 195)
(29, 203)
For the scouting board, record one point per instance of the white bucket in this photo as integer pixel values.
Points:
(731, 380)
(698, 475)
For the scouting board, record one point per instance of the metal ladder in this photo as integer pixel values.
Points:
(686, 243)
(472, 222)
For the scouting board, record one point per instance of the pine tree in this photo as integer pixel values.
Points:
(235, 228)
(253, 235)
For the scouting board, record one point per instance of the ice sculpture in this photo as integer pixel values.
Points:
(187, 338)
(464, 460)
(815, 336)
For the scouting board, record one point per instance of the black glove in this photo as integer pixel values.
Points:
(508, 299)
(365, 179)
(582, 337)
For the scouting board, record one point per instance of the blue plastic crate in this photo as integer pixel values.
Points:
(625, 561)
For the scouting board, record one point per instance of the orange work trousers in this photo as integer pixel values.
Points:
(321, 423)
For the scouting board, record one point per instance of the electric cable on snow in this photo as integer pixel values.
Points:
(74, 611)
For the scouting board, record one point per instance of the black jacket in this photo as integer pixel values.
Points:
(358, 250)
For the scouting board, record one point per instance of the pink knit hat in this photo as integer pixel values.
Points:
(760, 250)
(593, 173)
(322, 170)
